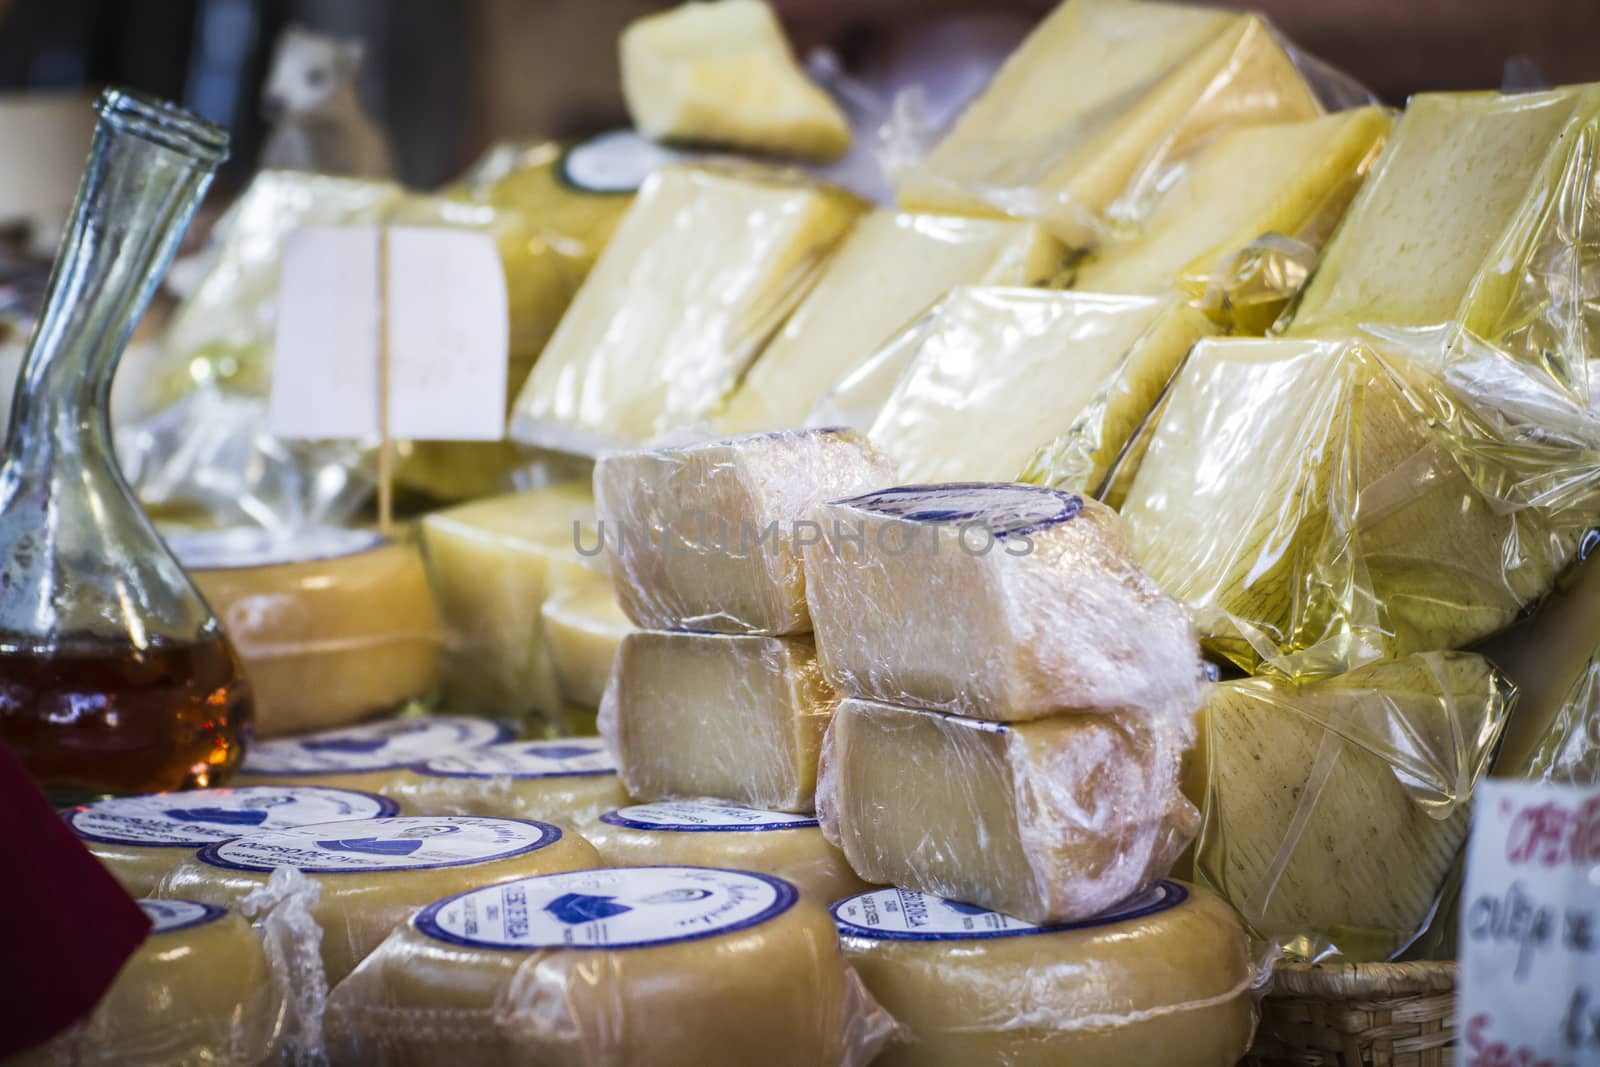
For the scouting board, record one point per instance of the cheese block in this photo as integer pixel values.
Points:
(1296, 499)
(333, 625)
(1163, 977)
(141, 838)
(374, 874)
(365, 757)
(493, 563)
(1095, 100)
(703, 715)
(708, 833)
(890, 269)
(1334, 809)
(1049, 821)
(702, 271)
(666, 966)
(1073, 371)
(583, 625)
(199, 990)
(708, 536)
(722, 74)
(1002, 602)
(568, 781)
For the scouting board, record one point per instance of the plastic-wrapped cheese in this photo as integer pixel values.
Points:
(365, 757)
(666, 966)
(141, 838)
(890, 269)
(333, 625)
(708, 536)
(1162, 978)
(1001, 602)
(200, 990)
(702, 833)
(1051, 820)
(374, 874)
(583, 625)
(569, 781)
(703, 715)
(702, 271)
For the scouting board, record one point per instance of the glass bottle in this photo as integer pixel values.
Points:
(114, 674)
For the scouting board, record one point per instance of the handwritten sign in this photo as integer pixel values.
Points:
(1530, 928)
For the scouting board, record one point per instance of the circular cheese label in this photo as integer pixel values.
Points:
(378, 746)
(253, 546)
(401, 843)
(1004, 510)
(168, 916)
(525, 759)
(189, 820)
(617, 161)
(617, 908)
(903, 915)
(698, 816)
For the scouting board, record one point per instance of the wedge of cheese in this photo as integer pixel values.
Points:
(887, 272)
(722, 73)
(583, 625)
(699, 275)
(1098, 96)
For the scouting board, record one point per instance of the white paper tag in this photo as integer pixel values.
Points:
(448, 331)
(1530, 928)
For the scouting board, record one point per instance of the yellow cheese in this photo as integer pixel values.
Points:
(333, 625)
(374, 874)
(702, 271)
(703, 715)
(141, 838)
(722, 73)
(700, 833)
(1162, 978)
(665, 966)
(1000, 602)
(708, 536)
(583, 626)
(1101, 92)
(886, 273)
(568, 781)
(365, 757)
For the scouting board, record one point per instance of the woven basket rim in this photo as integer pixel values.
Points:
(1363, 979)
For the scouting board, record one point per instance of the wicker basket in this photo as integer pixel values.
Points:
(1358, 1015)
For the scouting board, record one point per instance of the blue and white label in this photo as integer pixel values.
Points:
(402, 843)
(170, 916)
(189, 820)
(903, 915)
(253, 546)
(525, 759)
(376, 746)
(618, 908)
(1004, 510)
(697, 816)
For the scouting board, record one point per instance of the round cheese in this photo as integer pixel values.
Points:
(198, 991)
(569, 781)
(715, 834)
(140, 839)
(366, 757)
(1164, 978)
(334, 625)
(666, 966)
(374, 873)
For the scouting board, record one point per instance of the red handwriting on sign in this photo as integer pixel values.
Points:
(1551, 834)
(1489, 1053)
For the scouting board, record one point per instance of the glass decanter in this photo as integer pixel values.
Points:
(114, 673)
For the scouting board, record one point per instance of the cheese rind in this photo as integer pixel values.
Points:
(703, 715)
(1050, 821)
(583, 626)
(1164, 977)
(709, 536)
(1002, 602)
(365, 757)
(568, 781)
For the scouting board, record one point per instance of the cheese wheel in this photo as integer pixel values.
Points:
(569, 781)
(665, 966)
(714, 834)
(198, 991)
(140, 839)
(1163, 978)
(583, 625)
(334, 625)
(367, 757)
(374, 873)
